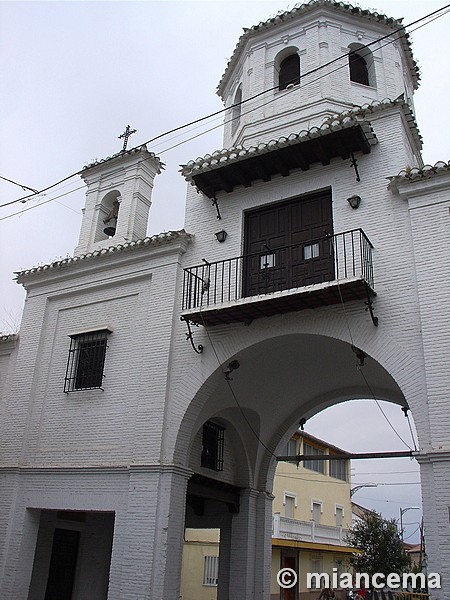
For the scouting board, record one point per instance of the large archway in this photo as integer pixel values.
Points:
(265, 390)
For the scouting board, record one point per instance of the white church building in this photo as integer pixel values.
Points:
(154, 380)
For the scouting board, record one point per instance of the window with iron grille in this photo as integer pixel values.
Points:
(211, 570)
(314, 465)
(86, 361)
(212, 446)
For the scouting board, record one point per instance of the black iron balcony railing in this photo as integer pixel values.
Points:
(344, 258)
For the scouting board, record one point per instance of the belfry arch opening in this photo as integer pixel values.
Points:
(108, 214)
(281, 382)
(236, 110)
(287, 68)
(361, 65)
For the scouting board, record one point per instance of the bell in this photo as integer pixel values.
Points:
(111, 220)
(109, 231)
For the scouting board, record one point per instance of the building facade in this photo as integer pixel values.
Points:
(315, 262)
(312, 513)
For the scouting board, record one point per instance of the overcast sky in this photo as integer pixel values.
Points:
(74, 74)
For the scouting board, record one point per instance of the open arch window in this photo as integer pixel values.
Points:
(361, 65)
(289, 72)
(236, 110)
(107, 216)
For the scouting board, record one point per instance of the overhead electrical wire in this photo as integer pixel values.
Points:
(30, 197)
(24, 187)
(230, 387)
(304, 84)
(36, 192)
(19, 212)
(384, 473)
(401, 29)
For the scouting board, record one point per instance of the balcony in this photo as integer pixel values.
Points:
(307, 531)
(321, 272)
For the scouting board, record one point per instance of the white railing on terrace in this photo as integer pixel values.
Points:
(307, 531)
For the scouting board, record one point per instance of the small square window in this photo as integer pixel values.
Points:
(311, 251)
(212, 446)
(267, 261)
(86, 361)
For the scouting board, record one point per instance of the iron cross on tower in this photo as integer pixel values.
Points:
(125, 135)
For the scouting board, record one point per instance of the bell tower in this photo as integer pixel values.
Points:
(118, 199)
(307, 64)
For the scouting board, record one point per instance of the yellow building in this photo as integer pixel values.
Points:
(311, 513)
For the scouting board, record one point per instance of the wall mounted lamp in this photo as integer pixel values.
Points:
(221, 236)
(354, 201)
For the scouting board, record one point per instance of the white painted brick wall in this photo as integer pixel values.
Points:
(129, 449)
(318, 37)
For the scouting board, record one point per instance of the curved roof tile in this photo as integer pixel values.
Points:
(349, 118)
(415, 174)
(136, 150)
(154, 240)
(300, 9)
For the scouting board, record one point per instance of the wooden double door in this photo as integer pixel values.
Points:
(288, 245)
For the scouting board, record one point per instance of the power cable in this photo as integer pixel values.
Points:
(383, 473)
(230, 387)
(221, 111)
(237, 117)
(347, 322)
(272, 100)
(24, 187)
(42, 203)
(411, 534)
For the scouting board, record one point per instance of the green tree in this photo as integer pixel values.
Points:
(380, 545)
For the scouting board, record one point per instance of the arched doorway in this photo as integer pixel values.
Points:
(279, 382)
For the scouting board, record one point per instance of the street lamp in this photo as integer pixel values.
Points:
(358, 487)
(402, 512)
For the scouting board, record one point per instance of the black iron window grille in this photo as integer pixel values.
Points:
(212, 446)
(86, 361)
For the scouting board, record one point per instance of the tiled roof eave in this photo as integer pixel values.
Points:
(413, 175)
(351, 118)
(286, 16)
(237, 155)
(152, 241)
(139, 149)
(8, 337)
